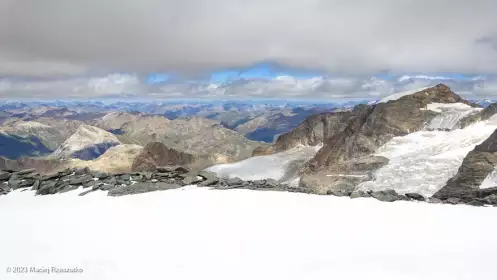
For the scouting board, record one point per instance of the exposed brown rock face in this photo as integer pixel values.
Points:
(157, 154)
(311, 132)
(474, 169)
(369, 126)
(193, 135)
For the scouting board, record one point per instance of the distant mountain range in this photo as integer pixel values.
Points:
(412, 141)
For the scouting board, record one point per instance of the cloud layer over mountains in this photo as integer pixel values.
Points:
(47, 46)
(286, 87)
(358, 36)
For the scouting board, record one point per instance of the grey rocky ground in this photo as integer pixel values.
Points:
(173, 177)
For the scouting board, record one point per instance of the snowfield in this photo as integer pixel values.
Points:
(279, 166)
(195, 233)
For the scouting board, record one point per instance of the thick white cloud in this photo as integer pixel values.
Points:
(284, 87)
(355, 36)
(81, 87)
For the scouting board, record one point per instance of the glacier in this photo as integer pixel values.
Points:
(197, 233)
(423, 161)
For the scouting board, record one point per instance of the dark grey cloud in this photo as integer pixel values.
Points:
(56, 38)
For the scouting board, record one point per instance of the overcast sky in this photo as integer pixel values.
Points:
(59, 44)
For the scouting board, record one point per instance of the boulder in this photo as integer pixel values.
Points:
(415, 196)
(172, 169)
(233, 181)
(141, 188)
(355, 195)
(4, 176)
(210, 178)
(106, 187)
(190, 179)
(25, 171)
(99, 175)
(80, 180)
(51, 187)
(82, 171)
(386, 195)
(125, 177)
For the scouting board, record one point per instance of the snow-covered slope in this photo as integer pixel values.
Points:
(280, 166)
(88, 142)
(195, 233)
(423, 161)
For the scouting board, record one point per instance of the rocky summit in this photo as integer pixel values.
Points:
(350, 144)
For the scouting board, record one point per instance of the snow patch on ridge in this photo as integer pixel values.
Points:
(490, 181)
(399, 95)
(275, 166)
(423, 161)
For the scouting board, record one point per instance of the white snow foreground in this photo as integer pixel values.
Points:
(195, 233)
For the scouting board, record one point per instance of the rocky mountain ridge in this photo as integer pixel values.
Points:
(173, 177)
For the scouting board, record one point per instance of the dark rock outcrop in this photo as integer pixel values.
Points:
(476, 166)
(157, 154)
